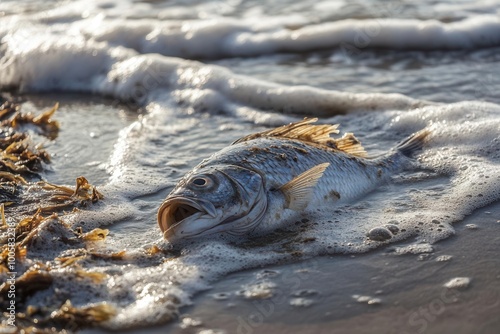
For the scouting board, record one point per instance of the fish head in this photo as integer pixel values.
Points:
(222, 198)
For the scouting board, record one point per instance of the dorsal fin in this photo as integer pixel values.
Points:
(315, 134)
(351, 145)
(302, 130)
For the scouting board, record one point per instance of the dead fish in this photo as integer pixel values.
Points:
(260, 181)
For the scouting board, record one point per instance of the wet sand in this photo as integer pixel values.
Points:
(410, 288)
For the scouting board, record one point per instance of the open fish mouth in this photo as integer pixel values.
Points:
(176, 210)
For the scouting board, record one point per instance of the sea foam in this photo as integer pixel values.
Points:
(220, 36)
(230, 38)
(94, 67)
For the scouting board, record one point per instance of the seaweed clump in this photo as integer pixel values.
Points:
(33, 231)
(19, 155)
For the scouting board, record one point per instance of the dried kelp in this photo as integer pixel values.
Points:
(97, 234)
(33, 230)
(19, 156)
(64, 319)
(81, 317)
(12, 116)
(95, 277)
(44, 198)
(34, 279)
(70, 260)
(121, 255)
(83, 192)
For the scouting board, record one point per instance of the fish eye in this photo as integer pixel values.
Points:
(201, 181)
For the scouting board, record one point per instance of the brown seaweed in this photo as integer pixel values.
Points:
(70, 260)
(82, 316)
(32, 213)
(35, 279)
(121, 255)
(94, 276)
(64, 319)
(19, 155)
(12, 116)
(97, 234)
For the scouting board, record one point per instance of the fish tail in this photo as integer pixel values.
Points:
(413, 143)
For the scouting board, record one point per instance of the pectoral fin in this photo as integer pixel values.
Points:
(298, 192)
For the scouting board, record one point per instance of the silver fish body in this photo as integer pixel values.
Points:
(262, 180)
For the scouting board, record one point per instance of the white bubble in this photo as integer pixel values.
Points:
(444, 258)
(458, 283)
(301, 302)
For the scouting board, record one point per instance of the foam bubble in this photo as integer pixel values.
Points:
(367, 300)
(188, 322)
(444, 258)
(260, 290)
(301, 302)
(458, 283)
(415, 249)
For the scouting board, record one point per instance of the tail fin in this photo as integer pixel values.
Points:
(413, 143)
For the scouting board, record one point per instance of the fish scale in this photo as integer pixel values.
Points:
(349, 176)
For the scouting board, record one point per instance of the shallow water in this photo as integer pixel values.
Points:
(257, 66)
